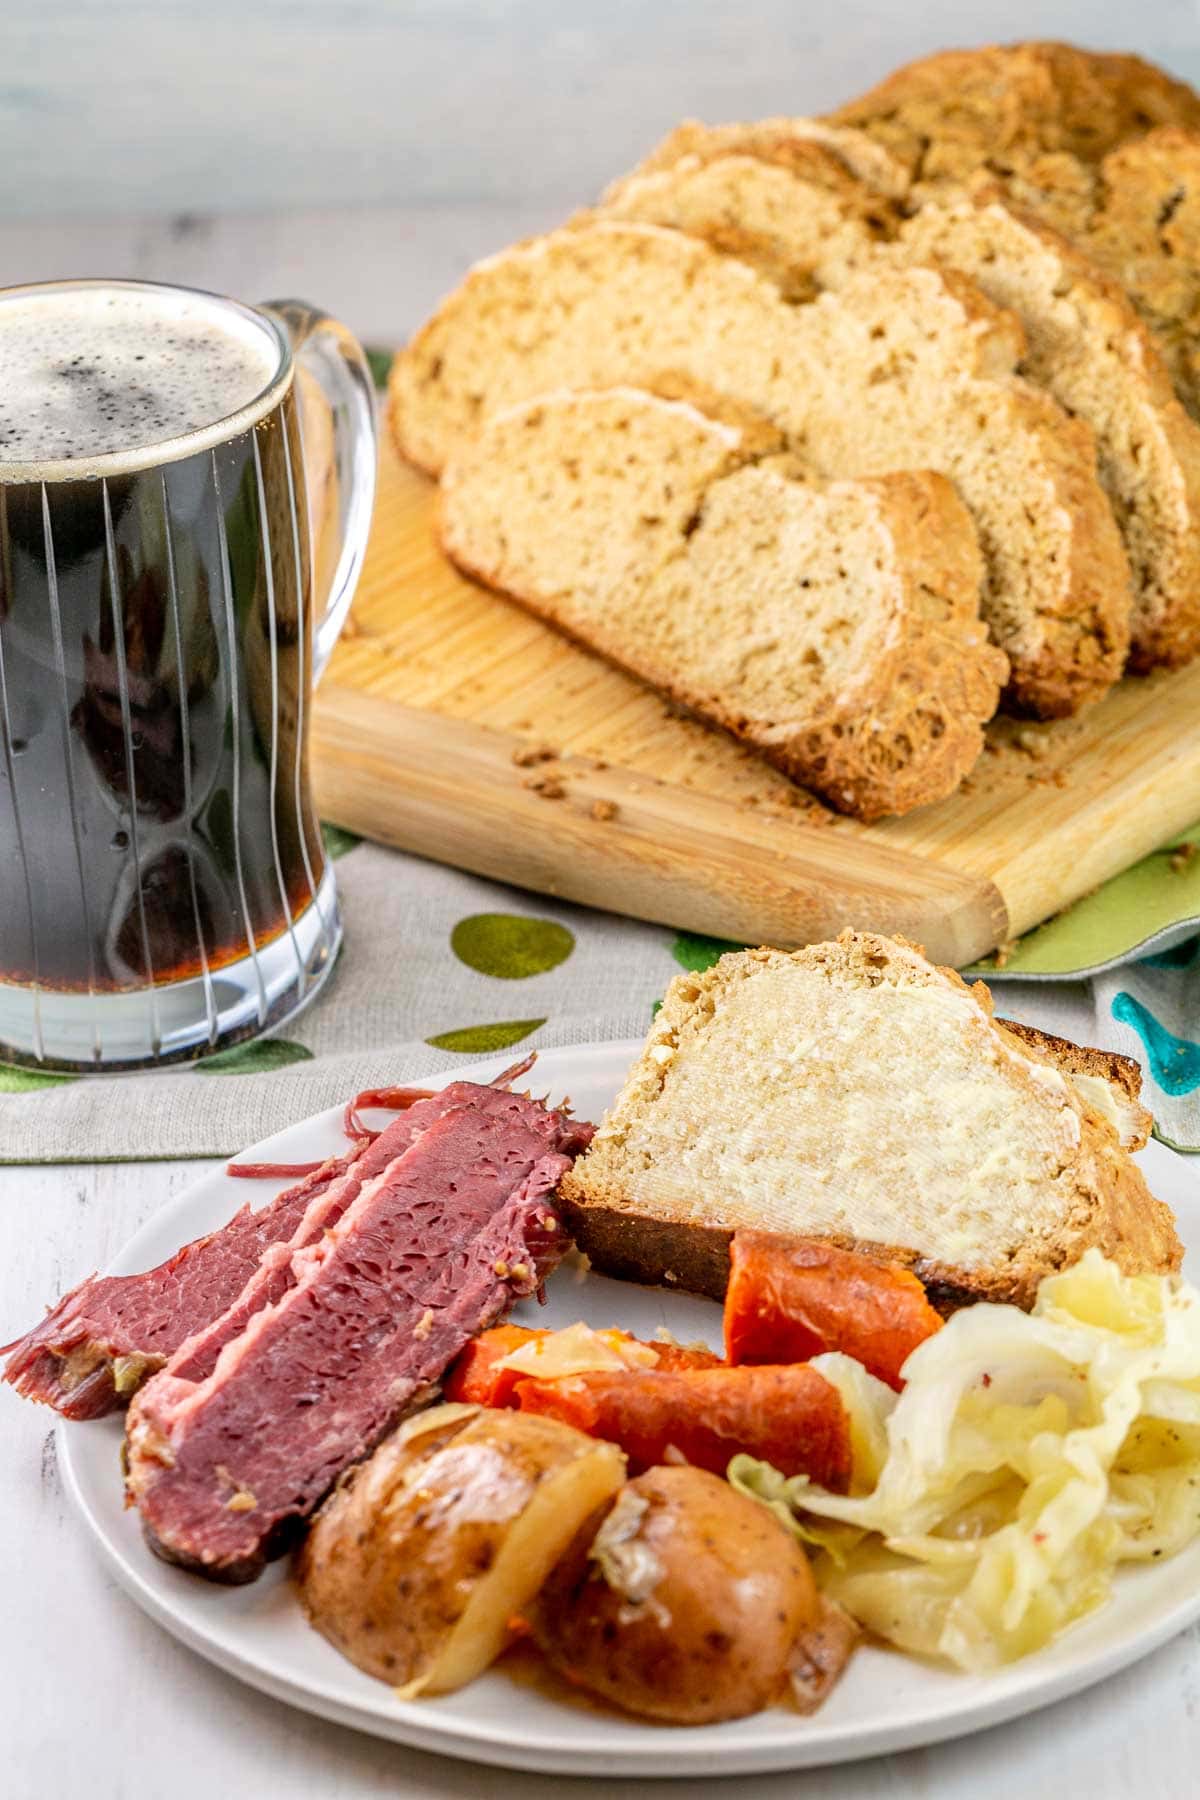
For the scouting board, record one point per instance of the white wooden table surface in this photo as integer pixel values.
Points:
(94, 1698)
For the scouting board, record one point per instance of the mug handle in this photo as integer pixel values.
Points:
(340, 395)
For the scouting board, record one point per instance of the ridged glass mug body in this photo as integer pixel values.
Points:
(164, 890)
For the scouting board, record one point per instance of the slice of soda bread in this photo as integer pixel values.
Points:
(1088, 347)
(783, 139)
(1136, 215)
(834, 625)
(854, 1091)
(901, 368)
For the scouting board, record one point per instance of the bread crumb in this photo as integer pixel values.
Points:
(604, 809)
(1033, 742)
(1182, 856)
(526, 755)
(550, 787)
(1004, 951)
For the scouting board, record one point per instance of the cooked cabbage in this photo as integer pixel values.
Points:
(1028, 1455)
(579, 1350)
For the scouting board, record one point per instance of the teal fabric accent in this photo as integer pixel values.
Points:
(1180, 956)
(1174, 1061)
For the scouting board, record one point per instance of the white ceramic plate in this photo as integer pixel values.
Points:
(886, 1701)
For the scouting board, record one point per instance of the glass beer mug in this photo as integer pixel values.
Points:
(185, 494)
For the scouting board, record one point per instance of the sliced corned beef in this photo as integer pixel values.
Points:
(99, 1343)
(239, 1437)
(96, 1347)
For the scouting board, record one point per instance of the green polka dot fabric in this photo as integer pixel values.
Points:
(440, 968)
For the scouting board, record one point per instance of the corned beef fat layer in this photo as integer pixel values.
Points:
(239, 1437)
(97, 1346)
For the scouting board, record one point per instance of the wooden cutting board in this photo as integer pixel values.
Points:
(441, 696)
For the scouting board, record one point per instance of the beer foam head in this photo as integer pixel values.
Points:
(90, 370)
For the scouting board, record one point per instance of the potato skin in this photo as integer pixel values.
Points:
(416, 1563)
(707, 1635)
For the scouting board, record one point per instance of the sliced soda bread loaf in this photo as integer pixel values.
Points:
(834, 625)
(901, 368)
(854, 1091)
(805, 221)
(1003, 106)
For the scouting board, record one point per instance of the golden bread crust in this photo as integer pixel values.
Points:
(945, 115)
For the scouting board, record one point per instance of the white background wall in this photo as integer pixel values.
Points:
(123, 106)
(364, 152)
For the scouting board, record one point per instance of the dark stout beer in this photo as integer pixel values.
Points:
(156, 645)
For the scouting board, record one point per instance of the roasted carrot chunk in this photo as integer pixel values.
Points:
(790, 1298)
(475, 1378)
(791, 1416)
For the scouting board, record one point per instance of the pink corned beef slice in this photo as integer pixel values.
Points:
(101, 1341)
(341, 1331)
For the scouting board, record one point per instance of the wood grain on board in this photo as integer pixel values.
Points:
(441, 694)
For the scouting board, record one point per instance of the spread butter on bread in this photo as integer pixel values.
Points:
(854, 1091)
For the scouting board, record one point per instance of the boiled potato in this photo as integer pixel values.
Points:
(420, 1558)
(685, 1605)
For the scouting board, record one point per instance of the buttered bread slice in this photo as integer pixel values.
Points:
(854, 1091)
(900, 369)
(834, 625)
